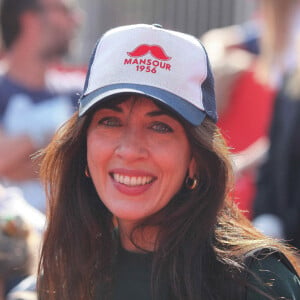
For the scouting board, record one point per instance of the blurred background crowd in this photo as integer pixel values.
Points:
(253, 46)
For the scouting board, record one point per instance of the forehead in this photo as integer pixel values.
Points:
(144, 102)
(130, 104)
(136, 101)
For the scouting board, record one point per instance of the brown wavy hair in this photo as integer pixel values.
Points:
(202, 241)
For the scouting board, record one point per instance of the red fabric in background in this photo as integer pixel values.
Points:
(246, 119)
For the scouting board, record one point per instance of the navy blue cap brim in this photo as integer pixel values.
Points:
(188, 111)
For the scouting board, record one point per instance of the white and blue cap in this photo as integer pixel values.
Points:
(169, 66)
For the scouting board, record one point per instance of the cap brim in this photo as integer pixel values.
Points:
(188, 111)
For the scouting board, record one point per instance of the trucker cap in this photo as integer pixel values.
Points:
(169, 66)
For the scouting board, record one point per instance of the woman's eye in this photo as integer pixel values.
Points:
(110, 122)
(161, 127)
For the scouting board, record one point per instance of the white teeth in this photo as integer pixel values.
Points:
(126, 180)
(132, 181)
(117, 177)
(144, 181)
(138, 180)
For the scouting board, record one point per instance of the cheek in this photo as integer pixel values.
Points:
(100, 153)
(96, 152)
(99, 145)
(174, 161)
(97, 161)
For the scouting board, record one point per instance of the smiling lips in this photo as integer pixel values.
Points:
(132, 181)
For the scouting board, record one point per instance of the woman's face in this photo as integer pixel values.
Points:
(138, 157)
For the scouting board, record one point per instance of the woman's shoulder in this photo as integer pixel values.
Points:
(273, 274)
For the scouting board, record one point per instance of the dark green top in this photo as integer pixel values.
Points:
(133, 273)
(277, 279)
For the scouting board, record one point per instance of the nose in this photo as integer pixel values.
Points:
(132, 145)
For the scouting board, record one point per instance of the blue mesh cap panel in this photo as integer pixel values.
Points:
(208, 92)
(90, 66)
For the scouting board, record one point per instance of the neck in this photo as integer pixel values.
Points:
(144, 238)
(26, 68)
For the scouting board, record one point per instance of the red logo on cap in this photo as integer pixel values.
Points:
(148, 64)
(155, 50)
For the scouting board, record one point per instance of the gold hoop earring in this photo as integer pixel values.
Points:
(191, 183)
(87, 172)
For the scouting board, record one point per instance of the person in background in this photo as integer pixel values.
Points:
(35, 97)
(249, 61)
(277, 199)
(139, 183)
(21, 228)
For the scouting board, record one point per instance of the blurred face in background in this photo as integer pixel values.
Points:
(60, 20)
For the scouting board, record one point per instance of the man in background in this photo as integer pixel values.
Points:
(35, 95)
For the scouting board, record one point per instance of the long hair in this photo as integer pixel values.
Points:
(204, 238)
(202, 235)
(78, 223)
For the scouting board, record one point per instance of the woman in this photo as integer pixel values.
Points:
(138, 185)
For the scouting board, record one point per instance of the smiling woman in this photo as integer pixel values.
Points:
(139, 187)
(138, 157)
(143, 160)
